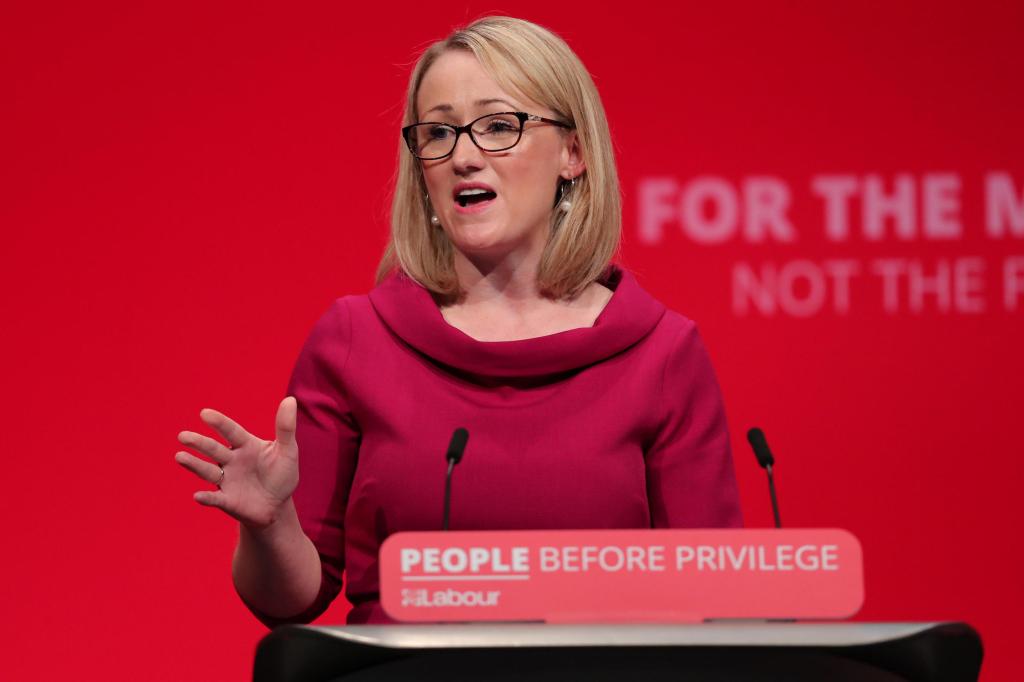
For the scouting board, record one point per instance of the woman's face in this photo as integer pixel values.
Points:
(524, 179)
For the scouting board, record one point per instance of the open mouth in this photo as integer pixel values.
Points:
(469, 197)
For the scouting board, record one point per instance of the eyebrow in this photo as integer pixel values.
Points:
(448, 108)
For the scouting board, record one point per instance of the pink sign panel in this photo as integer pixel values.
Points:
(667, 575)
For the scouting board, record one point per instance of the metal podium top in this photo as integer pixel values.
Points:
(506, 635)
(926, 652)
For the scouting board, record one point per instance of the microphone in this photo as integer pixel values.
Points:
(755, 437)
(456, 448)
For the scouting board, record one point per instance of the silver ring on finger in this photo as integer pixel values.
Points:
(221, 479)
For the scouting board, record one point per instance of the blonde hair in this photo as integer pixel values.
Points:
(524, 58)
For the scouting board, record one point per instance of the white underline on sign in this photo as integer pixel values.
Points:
(430, 578)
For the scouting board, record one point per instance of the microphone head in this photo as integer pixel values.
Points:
(755, 437)
(457, 445)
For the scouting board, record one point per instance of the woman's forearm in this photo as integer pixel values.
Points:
(276, 569)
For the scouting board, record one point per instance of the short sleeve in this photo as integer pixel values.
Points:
(691, 482)
(328, 439)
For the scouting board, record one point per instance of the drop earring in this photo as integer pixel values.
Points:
(565, 205)
(434, 220)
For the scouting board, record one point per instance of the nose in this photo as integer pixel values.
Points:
(466, 157)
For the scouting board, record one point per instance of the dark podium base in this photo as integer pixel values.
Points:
(871, 652)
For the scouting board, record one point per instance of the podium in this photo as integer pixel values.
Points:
(718, 651)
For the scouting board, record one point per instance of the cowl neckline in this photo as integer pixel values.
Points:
(409, 311)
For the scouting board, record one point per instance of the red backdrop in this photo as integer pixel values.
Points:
(835, 192)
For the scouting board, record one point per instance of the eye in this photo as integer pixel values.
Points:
(500, 124)
(438, 132)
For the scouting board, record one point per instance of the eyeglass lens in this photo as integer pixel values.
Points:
(492, 133)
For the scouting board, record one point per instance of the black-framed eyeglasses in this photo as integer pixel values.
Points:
(492, 133)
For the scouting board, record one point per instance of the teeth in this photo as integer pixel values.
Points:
(472, 192)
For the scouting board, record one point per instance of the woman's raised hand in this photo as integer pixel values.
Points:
(254, 477)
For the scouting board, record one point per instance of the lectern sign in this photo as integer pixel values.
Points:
(621, 575)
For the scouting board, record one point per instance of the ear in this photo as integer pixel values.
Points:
(573, 164)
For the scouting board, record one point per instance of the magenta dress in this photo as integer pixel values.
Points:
(619, 425)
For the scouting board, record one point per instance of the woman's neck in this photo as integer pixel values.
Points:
(503, 303)
(508, 283)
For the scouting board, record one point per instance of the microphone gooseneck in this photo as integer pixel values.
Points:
(755, 437)
(456, 448)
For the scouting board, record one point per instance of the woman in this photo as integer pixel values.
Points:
(589, 405)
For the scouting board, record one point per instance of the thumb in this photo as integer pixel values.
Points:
(285, 422)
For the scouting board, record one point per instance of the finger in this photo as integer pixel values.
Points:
(213, 449)
(285, 422)
(226, 427)
(208, 471)
(210, 498)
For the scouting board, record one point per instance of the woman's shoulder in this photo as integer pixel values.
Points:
(349, 307)
(678, 341)
(341, 318)
(674, 330)
(674, 322)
